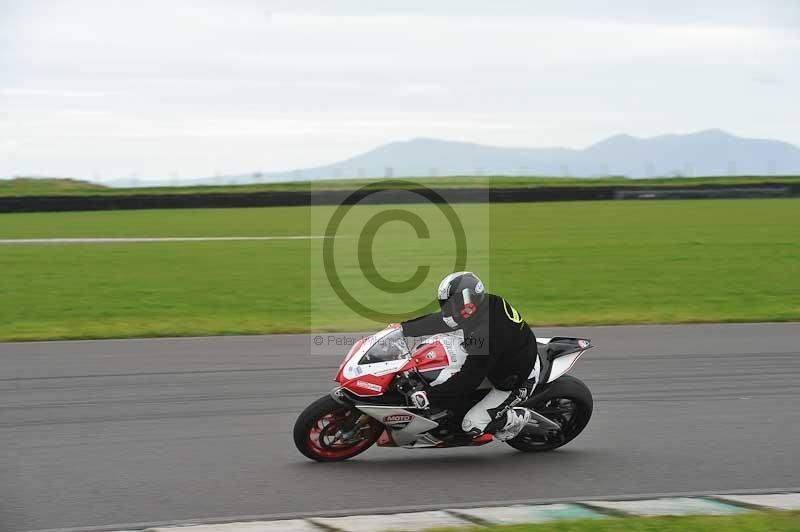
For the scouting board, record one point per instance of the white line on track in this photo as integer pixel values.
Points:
(135, 240)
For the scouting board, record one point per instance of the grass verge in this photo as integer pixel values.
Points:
(559, 263)
(749, 522)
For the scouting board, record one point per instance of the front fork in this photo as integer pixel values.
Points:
(345, 433)
(360, 423)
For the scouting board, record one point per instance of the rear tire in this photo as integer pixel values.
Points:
(566, 400)
(315, 429)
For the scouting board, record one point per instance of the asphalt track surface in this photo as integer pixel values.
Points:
(108, 433)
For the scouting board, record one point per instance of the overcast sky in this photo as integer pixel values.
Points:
(182, 89)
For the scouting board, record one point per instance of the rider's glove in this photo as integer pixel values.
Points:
(420, 399)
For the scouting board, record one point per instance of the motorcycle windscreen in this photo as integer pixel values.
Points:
(387, 348)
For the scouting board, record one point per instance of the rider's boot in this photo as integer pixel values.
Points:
(516, 419)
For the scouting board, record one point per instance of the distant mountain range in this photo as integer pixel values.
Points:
(709, 152)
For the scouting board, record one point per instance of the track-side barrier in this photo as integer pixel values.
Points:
(389, 196)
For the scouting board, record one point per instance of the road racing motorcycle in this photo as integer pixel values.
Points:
(372, 403)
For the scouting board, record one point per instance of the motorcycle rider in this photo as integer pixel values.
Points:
(500, 346)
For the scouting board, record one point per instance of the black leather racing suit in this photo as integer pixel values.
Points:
(499, 343)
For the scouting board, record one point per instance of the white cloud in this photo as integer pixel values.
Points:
(113, 88)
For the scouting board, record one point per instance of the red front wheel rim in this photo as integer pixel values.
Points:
(322, 435)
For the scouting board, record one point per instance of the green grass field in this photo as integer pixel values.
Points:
(751, 522)
(558, 263)
(69, 187)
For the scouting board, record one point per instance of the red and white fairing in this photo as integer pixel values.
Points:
(373, 361)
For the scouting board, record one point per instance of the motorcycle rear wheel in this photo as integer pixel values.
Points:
(566, 400)
(316, 430)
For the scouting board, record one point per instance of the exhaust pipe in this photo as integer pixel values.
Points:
(539, 422)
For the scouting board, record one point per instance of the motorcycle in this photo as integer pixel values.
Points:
(379, 373)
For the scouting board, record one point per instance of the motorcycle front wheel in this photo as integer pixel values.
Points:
(327, 431)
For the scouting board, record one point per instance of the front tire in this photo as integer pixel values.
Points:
(317, 429)
(566, 400)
